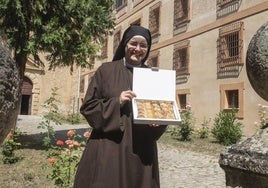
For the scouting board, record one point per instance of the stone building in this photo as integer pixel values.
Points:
(206, 43)
(38, 84)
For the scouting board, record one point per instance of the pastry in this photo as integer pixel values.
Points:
(155, 109)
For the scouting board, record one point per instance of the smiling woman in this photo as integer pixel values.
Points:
(119, 152)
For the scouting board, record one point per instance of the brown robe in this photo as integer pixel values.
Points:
(119, 154)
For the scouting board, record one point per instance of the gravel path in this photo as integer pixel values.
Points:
(186, 169)
(178, 168)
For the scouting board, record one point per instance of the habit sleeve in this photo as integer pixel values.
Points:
(102, 113)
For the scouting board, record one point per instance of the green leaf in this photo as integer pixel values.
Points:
(69, 31)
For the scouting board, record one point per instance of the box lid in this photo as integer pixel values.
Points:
(154, 83)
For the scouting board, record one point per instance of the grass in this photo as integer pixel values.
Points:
(29, 171)
(33, 167)
(207, 145)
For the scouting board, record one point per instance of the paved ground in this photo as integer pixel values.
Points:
(178, 168)
(186, 169)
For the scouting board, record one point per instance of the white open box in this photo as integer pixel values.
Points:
(155, 85)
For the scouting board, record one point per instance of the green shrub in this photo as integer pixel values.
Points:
(52, 116)
(227, 130)
(9, 146)
(203, 132)
(263, 115)
(185, 129)
(74, 118)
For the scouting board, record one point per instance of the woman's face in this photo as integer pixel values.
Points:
(136, 50)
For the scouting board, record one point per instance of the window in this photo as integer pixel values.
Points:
(104, 50)
(181, 12)
(82, 85)
(90, 76)
(136, 2)
(154, 17)
(221, 3)
(230, 47)
(117, 36)
(227, 7)
(153, 59)
(153, 62)
(181, 58)
(182, 98)
(182, 101)
(136, 22)
(232, 97)
(120, 3)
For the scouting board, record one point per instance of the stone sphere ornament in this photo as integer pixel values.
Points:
(257, 61)
(9, 92)
(245, 164)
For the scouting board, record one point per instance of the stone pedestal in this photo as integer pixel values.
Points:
(246, 164)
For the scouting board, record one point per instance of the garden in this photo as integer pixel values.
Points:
(51, 160)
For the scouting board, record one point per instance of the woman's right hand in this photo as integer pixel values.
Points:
(126, 96)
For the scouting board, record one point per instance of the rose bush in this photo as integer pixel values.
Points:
(64, 158)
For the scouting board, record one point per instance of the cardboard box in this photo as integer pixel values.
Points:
(156, 97)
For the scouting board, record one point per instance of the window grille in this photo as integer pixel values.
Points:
(221, 3)
(116, 40)
(82, 85)
(230, 45)
(104, 50)
(181, 58)
(154, 17)
(181, 12)
(120, 3)
(227, 7)
(153, 59)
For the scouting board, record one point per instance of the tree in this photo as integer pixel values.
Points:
(69, 31)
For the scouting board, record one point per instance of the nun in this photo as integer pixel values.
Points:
(119, 153)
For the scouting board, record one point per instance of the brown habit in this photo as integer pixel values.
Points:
(118, 154)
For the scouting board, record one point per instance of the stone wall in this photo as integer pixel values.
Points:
(9, 91)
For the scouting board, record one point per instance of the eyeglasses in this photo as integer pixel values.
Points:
(134, 44)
